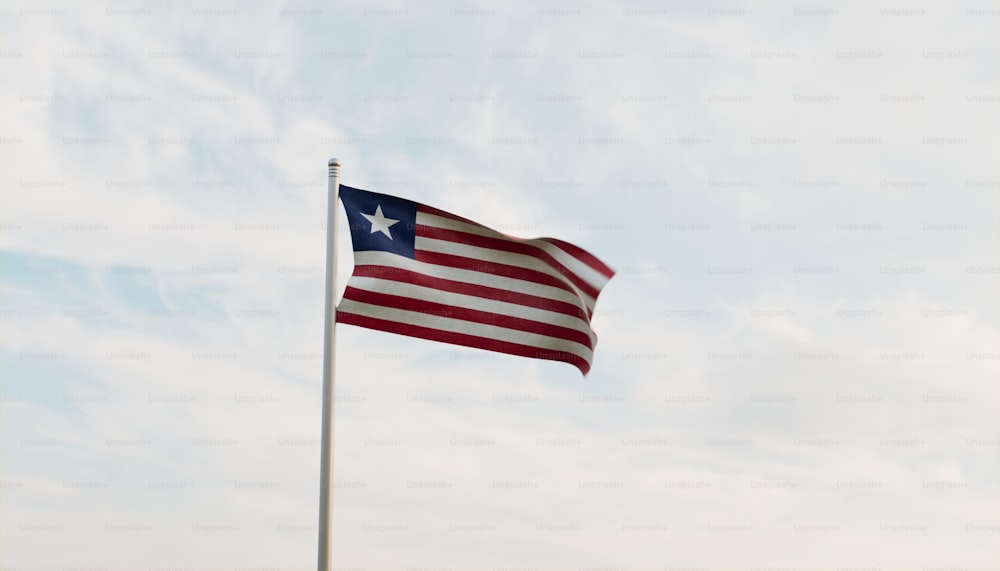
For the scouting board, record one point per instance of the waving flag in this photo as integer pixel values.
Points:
(423, 272)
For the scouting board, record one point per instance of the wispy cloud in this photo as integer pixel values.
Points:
(797, 358)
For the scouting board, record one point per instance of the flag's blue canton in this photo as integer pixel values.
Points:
(359, 202)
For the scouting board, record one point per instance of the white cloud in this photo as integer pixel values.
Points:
(797, 357)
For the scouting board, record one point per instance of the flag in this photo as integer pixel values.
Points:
(426, 273)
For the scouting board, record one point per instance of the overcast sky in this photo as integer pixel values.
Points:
(798, 357)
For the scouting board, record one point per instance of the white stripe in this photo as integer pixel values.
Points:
(540, 342)
(498, 256)
(588, 274)
(378, 258)
(583, 271)
(471, 302)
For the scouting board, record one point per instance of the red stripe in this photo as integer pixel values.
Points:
(506, 245)
(571, 249)
(582, 255)
(465, 314)
(475, 290)
(437, 212)
(463, 339)
(483, 266)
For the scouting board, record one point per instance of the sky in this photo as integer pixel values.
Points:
(798, 356)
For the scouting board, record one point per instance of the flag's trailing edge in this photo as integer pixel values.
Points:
(426, 273)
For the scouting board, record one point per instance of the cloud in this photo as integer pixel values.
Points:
(796, 358)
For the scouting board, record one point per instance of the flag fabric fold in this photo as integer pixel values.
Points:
(423, 272)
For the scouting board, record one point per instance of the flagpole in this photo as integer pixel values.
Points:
(329, 353)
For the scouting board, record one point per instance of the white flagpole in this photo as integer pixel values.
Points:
(329, 352)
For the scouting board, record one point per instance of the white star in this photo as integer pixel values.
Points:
(379, 222)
